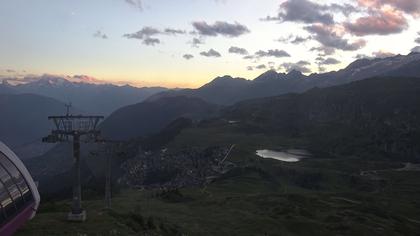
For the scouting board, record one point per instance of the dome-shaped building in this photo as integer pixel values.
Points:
(19, 197)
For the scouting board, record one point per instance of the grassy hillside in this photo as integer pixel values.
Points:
(314, 197)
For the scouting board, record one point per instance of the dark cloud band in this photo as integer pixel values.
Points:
(220, 28)
(211, 53)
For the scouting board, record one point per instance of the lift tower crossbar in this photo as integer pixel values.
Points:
(74, 126)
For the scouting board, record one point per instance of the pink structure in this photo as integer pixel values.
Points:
(19, 197)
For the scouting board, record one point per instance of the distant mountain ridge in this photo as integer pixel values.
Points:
(227, 90)
(25, 107)
(24, 117)
(84, 93)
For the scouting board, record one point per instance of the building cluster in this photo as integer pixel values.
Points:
(190, 167)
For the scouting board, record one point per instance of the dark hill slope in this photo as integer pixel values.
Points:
(379, 114)
(150, 117)
(6, 89)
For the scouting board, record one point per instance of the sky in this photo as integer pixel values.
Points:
(187, 43)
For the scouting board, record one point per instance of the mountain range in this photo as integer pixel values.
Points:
(157, 111)
(227, 90)
(145, 111)
(88, 97)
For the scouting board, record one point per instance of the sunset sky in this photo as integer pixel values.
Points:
(187, 43)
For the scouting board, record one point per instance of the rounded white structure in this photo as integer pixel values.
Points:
(19, 196)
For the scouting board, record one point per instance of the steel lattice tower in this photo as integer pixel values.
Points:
(70, 126)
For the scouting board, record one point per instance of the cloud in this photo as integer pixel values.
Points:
(328, 61)
(407, 6)
(362, 56)
(303, 11)
(10, 71)
(249, 57)
(298, 66)
(148, 35)
(220, 28)
(151, 41)
(329, 38)
(322, 69)
(238, 50)
(303, 63)
(299, 40)
(261, 67)
(135, 3)
(250, 68)
(196, 42)
(174, 31)
(211, 53)
(331, 61)
(379, 17)
(272, 53)
(323, 51)
(99, 34)
(346, 9)
(382, 22)
(144, 33)
(308, 12)
(294, 39)
(188, 56)
(383, 54)
(383, 17)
